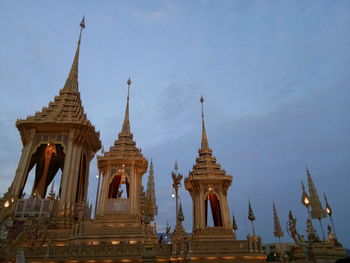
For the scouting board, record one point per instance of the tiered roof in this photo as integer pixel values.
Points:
(67, 108)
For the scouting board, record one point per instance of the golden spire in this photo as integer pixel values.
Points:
(126, 124)
(204, 143)
(152, 208)
(277, 226)
(72, 80)
(317, 211)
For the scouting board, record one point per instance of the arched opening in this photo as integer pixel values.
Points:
(47, 160)
(119, 187)
(82, 180)
(215, 209)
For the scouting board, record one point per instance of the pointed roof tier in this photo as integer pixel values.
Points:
(66, 109)
(206, 165)
(124, 148)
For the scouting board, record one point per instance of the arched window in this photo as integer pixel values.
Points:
(47, 160)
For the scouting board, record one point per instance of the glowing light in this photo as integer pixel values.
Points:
(97, 176)
(115, 242)
(173, 194)
(12, 200)
(306, 200)
(328, 210)
(132, 242)
(7, 203)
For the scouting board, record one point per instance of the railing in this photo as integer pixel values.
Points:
(117, 205)
(34, 207)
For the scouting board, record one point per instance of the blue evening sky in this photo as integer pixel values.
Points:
(274, 74)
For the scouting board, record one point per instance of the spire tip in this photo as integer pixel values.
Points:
(82, 23)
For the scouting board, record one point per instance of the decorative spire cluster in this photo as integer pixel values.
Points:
(317, 211)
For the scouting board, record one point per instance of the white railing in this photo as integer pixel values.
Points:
(34, 207)
(117, 205)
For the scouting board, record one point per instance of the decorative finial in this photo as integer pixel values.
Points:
(251, 215)
(82, 23)
(176, 167)
(126, 124)
(307, 170)
(234, 224)
(204, 143)
(72, 80)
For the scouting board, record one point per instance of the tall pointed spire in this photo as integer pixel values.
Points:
(204, 143)
(277, 226)
(317, 211)
(151, 203)
(126, 125)
(72, 80)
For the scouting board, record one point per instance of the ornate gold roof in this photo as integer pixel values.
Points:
(206, 166)
(124, 148)
(66, 108)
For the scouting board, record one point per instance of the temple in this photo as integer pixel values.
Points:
(47, 226)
